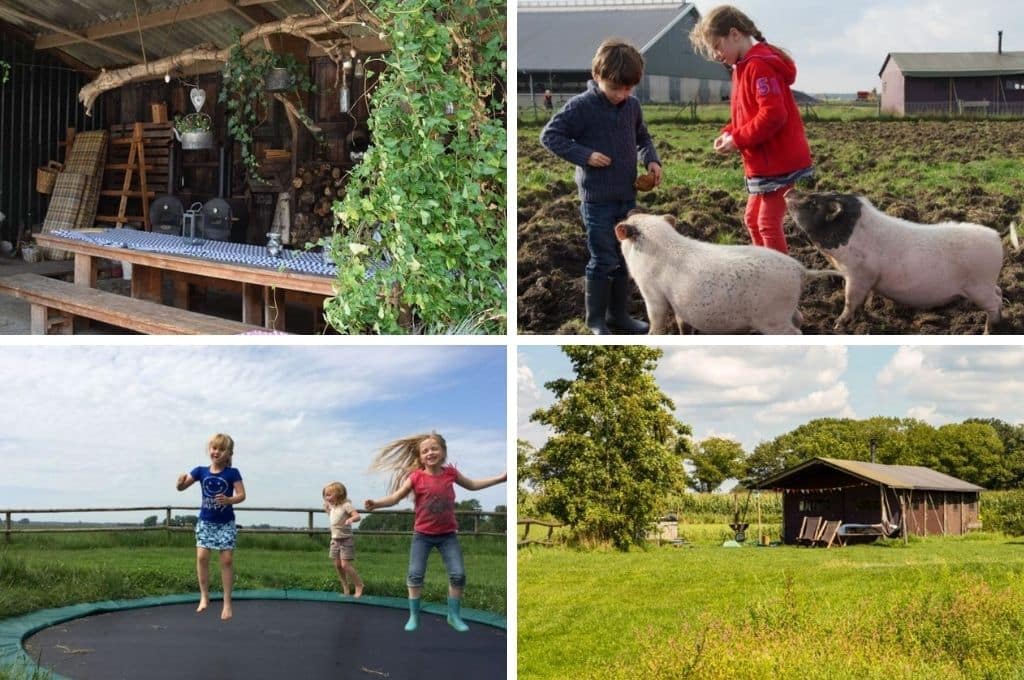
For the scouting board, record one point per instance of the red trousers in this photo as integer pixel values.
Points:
(764, 220)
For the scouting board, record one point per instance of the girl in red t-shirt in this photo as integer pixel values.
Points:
(765, 126)
(418, 466)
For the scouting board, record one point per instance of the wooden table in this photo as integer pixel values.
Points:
(263, 290)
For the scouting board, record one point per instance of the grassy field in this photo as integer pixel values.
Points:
(48, 570)
(936, 608)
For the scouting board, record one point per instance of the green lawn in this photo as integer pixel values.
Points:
(936, 608)
(52, 571)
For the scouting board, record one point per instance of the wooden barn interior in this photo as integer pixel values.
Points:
(56, 50)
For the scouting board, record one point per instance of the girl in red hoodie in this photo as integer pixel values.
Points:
(765, 126)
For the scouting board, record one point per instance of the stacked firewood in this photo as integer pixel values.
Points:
(317, 185)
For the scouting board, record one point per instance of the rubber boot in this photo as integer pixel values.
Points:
(455, 615)
(414, 615)
(597, 306)
(618, 318)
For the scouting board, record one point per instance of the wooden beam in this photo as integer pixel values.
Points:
(60, 29)
(194, 10)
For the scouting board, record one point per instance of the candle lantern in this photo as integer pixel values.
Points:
(189, 220)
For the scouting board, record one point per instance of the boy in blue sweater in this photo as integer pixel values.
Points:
(601, 132)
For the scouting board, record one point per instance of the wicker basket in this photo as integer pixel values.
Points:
(46, 176)
(31, 254)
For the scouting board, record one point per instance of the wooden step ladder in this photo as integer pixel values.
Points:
(136, 164)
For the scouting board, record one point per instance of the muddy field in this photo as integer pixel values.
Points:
(930, 171)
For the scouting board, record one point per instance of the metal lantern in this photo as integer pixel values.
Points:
(189, 219)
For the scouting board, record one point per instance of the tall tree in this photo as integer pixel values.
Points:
(974, 453)
(1012, 437)
(615, 453)
(715, 460)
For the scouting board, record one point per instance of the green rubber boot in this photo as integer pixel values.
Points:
(455, 615)
(414, 615)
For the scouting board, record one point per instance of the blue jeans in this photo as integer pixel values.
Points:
(599, 220)
(451, 554)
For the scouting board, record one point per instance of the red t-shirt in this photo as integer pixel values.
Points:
(435, 501)
(766, 123)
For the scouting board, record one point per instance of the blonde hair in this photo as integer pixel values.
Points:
(336, 489)
(718, 23)
(402, 456)
(618, 62)
(223, 441)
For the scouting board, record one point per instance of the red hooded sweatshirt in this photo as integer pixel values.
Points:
(766, 124)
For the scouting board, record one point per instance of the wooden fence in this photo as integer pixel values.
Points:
(527, 523)
(9, 529)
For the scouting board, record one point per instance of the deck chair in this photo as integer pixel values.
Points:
(829, 534)
(810, 529)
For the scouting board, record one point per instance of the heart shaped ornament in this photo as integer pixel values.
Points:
(198, 98)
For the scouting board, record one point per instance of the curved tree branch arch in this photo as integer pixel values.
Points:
(322, 30)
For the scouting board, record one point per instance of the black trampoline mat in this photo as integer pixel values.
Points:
(273, 639)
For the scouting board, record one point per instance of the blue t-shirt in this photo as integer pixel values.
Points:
(214, 484)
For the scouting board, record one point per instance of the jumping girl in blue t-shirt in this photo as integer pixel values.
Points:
(222, 487)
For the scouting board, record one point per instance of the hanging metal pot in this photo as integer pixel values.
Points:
(278, 79)
(195, 139)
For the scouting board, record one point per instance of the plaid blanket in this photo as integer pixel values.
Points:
(65, 205)
(76, 194)
(88, 155)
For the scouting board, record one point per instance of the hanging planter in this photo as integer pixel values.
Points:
(278, 79)
(194, 131)
(247, 78)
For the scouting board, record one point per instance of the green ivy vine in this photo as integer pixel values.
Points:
(424, 213)
(5, 71)
(245, 97)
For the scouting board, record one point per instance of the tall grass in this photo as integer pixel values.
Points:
(935, 608)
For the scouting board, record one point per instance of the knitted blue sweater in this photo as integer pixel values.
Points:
(589, 122)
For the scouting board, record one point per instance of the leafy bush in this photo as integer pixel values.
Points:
(425, 209)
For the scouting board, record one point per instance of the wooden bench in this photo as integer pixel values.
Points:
(70, 300)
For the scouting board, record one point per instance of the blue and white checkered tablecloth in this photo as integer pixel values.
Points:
(220, 251)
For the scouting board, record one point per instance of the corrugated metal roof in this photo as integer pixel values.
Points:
(565, 39)
(217, 28)
(913, 477)
(959, 64)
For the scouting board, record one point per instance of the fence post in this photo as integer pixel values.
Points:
(167, 522)
(7, 534)
(309, 522)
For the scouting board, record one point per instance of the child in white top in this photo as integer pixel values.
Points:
(342, 517)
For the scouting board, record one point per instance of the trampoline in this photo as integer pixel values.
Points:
(274, 634)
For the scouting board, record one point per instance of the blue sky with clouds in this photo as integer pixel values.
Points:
(113, 426)
(753, 394)
(839, 46)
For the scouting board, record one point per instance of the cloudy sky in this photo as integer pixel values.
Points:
(753, 394)
(113, 426)
(839, 46)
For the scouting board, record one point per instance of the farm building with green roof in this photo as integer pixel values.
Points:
(869, 500)
(953, 83)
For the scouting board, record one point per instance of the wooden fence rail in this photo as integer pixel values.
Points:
(526, 523)
(309, 529)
